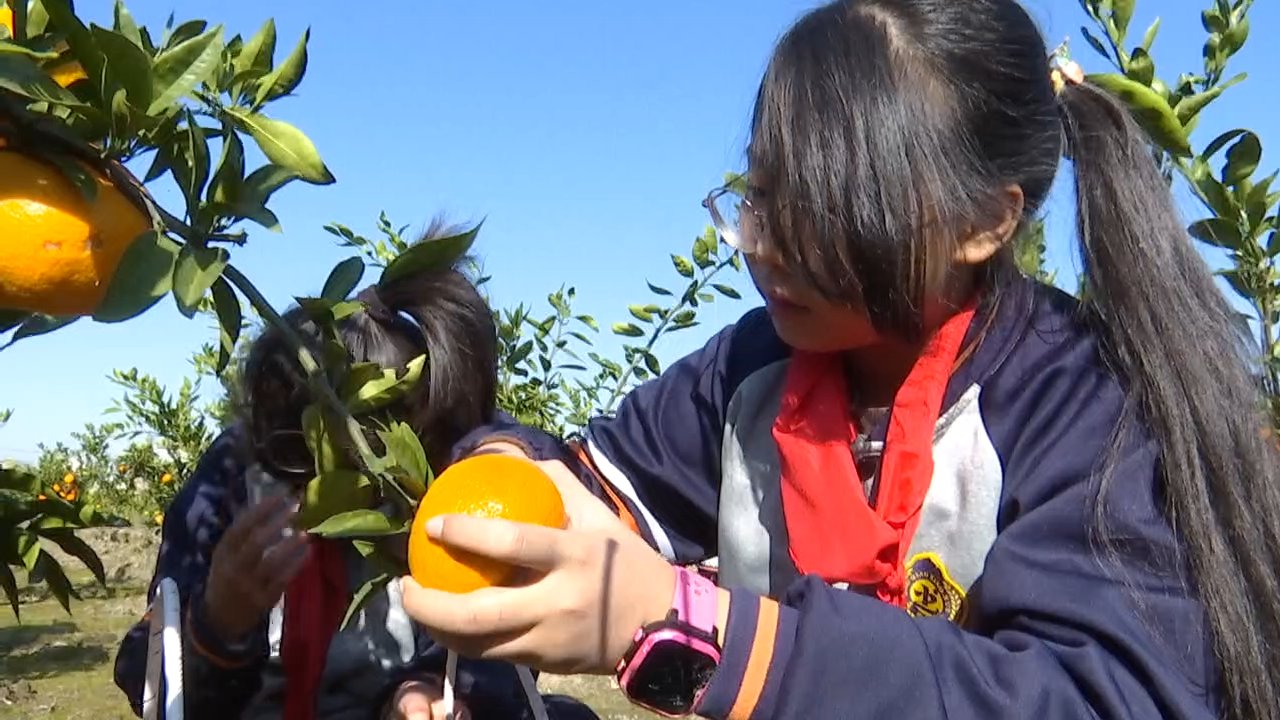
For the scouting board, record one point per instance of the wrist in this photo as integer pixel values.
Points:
(219, 626)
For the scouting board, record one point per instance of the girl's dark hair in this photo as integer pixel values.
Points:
(881, 124)
(437, 313)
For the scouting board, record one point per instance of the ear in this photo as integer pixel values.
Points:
(981, 244)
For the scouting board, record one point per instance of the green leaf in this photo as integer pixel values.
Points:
(183, 67)
(79, 40)
(53, 576)
(429, 255)
(38, 324)
(1190, 107)
(386, 388)
(10, 319)
(227, 181)
(1235, 36)
(356, 523)
(343, 279)
(10, 585)
(1220, 142)
(1122, 13)
(259, 52)
(127, 66)
(1150, 36)
(124, 24)
(1216, 231)
(80, 550)
(1242, 159)
(651, 362)
(362, 595)
(405, 450)
(184, 32)
(285, 145)
(627, 330)
(334, 493)
(1095, 43)
(263, 182)
(640, 313)
(682, 265)
(704, 250)
(727, 291)
(1140, 68)
(230, 321)
(8, 46)
(286, 78)
(196, 270)
(1213, 21)
(320, 435)
(145, 275)
(1149, 109)
(257, 213)
(657, 290)
(191, 163)
(21, 76)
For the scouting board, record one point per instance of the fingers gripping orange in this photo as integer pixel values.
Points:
(490, 486)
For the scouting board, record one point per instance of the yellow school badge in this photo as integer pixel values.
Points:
(930, 590)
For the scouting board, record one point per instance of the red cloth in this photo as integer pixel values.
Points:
(834, 531)
(314, 605)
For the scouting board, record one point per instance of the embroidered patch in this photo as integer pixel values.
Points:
(930, 590)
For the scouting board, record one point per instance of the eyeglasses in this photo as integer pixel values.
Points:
(284, 455)
(740, 224)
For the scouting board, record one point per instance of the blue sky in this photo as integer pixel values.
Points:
(585, 132)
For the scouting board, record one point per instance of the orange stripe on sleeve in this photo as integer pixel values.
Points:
(624, 514)
(194, 638)
(757, 662)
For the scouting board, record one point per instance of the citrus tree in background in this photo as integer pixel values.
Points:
(1237, 199)
(83, 237)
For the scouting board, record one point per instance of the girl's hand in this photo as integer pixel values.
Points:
(251, 567)
(423, 700)
(592, 590)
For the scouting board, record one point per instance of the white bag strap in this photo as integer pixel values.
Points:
(164, 655)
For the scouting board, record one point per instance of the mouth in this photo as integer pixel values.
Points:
(780, 299)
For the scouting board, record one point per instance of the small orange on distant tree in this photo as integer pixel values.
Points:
(489, 486)
(60, 251)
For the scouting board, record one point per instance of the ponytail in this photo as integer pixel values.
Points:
(1168, 330)
(438, 313)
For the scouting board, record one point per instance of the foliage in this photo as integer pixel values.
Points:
(1239, 201)
(34, 517)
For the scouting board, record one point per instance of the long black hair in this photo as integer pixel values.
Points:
(883, 125)
(437, 313)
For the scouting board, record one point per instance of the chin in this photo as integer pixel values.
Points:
(810, 335)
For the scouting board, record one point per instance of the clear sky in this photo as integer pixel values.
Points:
(586, 133)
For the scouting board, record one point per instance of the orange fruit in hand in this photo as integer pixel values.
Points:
(59, 251)
(488, 486)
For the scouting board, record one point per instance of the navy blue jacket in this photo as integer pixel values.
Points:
(1016, 610)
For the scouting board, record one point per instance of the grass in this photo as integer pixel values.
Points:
(56, 666)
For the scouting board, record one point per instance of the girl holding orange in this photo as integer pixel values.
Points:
(935, 488)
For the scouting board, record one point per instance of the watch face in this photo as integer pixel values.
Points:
(669, 678)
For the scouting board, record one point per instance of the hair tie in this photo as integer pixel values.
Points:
(1064, 71)
(374, 307)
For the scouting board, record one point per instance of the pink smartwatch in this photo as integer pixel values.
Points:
(671, 661)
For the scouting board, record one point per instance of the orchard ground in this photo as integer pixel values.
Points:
(59, 666)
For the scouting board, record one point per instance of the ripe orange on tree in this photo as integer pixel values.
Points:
(490, 486)
(60, 249)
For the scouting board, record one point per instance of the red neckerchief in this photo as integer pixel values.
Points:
(314, 605)
(833, 530)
